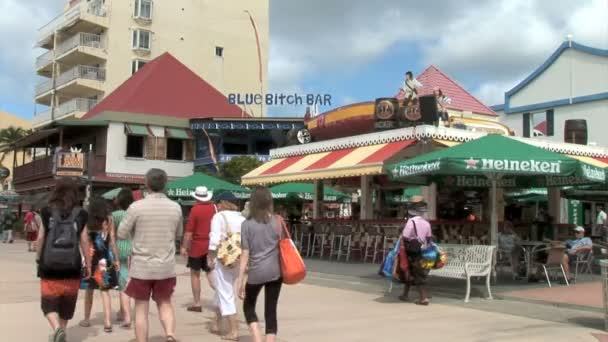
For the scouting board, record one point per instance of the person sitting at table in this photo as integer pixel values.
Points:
(574, 247)
(508, 245)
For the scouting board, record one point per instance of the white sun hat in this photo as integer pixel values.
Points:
(202, 194)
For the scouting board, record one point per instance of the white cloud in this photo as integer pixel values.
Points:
(481, 44)
(19, 23)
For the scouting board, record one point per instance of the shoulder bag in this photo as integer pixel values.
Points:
(229, 249)
(293, 269)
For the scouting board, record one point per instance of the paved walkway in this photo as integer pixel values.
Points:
(308, 312)
(584, 295)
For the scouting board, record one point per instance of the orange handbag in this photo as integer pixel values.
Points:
(293, 269)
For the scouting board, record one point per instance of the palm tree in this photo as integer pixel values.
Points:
(8, 137)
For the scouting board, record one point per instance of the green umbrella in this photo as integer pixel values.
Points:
(110, 195)
(495, 156)
(305, 192)
(403, 196)
(184, 187)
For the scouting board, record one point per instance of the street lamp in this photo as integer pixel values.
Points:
(257, 43)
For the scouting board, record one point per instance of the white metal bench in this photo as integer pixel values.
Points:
(466, 261)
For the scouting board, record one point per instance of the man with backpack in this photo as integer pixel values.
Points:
(60, 240)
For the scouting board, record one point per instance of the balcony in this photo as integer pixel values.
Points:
(84, 16)
(44, 64)
(81, 81)
(37, 169)
(43, 92)
(74, 108)
(82, 48)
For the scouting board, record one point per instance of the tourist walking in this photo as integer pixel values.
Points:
(225, 229)
(7, 221)
(32, 224)
(416, 237)
(196, 243)
(260, 264)
(122, 202)
(154, 223)
(105, 263)
(58, 256)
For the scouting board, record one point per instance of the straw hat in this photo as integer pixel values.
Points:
(201, 193)
(417, 206)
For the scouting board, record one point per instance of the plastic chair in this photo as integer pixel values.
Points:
(554, 262)
(585, 260)
(319, 238)
(373, 239)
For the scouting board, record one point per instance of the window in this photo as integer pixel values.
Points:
(135, 146)
(235, 148)
(175, 149)
(141, 39)
(539, 124)
(219, 51)
(143, 9)
(137, 64)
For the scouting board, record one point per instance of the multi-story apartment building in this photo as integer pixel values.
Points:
(95, 45)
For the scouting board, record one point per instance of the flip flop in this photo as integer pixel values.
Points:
(107, 329)
(195, 308)
(126, 326)
(171, 339)
(230, 338)
(423, 302)
(85, 324)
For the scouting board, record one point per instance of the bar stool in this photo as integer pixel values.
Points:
(391, 236)
(338, 238)
(319, 238)
(373, 238)
(356, 242)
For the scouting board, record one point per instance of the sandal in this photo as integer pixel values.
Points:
(195, 308)
(126, 326)
(85, 324)
(171, 339)
(107, 329)
(230, 338)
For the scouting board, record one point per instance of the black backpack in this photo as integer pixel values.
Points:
(62, 243)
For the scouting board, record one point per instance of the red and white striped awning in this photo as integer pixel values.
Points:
(350, 162)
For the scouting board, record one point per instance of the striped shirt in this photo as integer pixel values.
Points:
(154, 224)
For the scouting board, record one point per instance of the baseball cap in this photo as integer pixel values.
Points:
(579, 229)
(228, 197)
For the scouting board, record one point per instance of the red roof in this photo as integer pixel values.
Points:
(166, 87)
(461, 99)
(542, 127)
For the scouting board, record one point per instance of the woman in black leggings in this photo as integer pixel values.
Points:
(259, 266)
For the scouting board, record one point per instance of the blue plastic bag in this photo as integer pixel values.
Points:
(389, 263)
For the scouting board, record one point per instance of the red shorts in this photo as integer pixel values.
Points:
(31, 236)
(159, 290)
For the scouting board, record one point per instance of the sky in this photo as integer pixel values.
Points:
(358, 50)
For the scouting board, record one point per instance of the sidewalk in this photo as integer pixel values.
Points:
(307, 313)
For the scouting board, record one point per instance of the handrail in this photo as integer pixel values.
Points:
(82, 71)
(80, 39)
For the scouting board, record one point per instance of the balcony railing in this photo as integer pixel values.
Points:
(82, 71)
(95, 7)
(44, 60)
(73, 106)
(40, 168)
(64, 110)
(43, 87)
(80, 39)
(41, 118)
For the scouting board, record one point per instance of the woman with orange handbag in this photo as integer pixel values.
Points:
(260, 263)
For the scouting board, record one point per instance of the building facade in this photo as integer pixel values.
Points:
(572, 84)
(95, 45)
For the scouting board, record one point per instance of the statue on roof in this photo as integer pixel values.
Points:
(410, 88)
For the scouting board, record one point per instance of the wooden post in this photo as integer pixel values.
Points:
(317, 199)
(61, 137)
(367, 210)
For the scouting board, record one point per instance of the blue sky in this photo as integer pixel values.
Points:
(358, 50)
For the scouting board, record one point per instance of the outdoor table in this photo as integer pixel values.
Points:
(531, 247)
